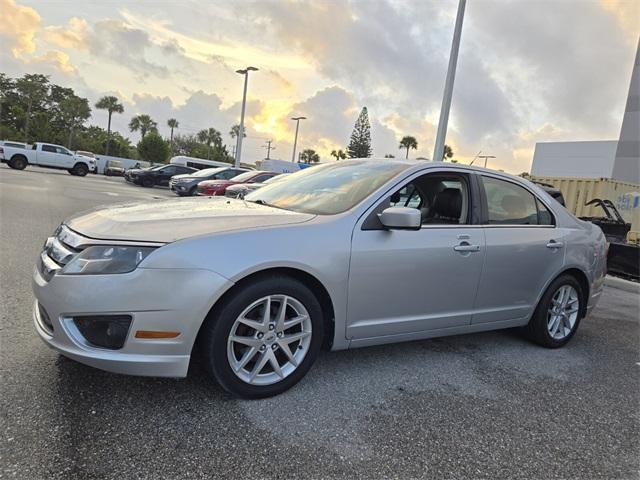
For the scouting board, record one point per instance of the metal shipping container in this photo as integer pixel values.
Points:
(578, 191)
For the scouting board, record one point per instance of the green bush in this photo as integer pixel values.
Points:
(152, 148)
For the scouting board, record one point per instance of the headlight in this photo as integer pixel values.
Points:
(106, 260)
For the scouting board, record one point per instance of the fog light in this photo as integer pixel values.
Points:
(106, 331)
(45, 321)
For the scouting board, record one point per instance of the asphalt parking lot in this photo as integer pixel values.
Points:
(487, 405)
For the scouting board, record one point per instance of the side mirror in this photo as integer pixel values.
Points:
(401, 218)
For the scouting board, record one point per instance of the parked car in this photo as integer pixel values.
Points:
(46, 155)
(113, 168)
(342, 255)
(186, 184)
(241, 189)
(218, 187)
(158, 175)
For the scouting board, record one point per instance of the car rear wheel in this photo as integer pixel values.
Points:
(80, 169)
(557, 315)
(262, 340)
(147, 182)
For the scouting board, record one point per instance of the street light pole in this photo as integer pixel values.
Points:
(244, 72)
(295, 140)
(438, 149)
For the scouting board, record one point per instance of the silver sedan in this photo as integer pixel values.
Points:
(337, 256)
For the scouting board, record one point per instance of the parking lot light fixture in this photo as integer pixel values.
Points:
(244, 72)
(295, 139)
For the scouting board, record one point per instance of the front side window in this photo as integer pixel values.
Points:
(443, 199)
(511, 204)
(48, 148)
(63, 151)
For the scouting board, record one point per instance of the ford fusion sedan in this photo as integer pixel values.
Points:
(185, 184)
(218, 187)
(343, 255)
(158, 175)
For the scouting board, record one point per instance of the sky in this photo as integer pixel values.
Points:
(528, 70)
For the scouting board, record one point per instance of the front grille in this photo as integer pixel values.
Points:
(58, 250)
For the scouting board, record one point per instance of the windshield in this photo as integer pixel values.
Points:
(206, 172)
(327, 189)
(157, 167)
(243, 177)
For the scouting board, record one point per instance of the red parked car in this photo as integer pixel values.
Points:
(218, 187)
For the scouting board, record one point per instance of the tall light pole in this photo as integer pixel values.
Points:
(244, 72)
(295, 140)
(438, 149)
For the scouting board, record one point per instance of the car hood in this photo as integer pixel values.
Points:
(171, 220)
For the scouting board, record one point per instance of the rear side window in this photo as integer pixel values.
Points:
(511, 204)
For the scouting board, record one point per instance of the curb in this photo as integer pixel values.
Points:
(622, 284)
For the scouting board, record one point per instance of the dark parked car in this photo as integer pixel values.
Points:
(158, 175)
(218, 187)
(185, 184)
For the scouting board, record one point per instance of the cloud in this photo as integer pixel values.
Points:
(126, 46)
(74, 35)
(58, 60)
(19, 27)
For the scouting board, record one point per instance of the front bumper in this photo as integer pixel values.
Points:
(157, 300)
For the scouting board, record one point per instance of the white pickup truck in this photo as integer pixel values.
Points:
(47, 155)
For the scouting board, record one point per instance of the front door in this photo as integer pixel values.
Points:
(524, 250)
(400, 281)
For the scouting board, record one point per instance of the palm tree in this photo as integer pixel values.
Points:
(408, 142)
(172, 123)
(235, 131)
(309, 156)
(144, 123)
(339, 154)
(111, 105)
(209, 136)
(448, 152)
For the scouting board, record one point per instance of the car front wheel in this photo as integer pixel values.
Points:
(263, 339)
(557, 315)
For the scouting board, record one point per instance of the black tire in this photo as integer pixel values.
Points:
(71, 172)
(18, 162)
(107, 173)
(537, 329)
(217, 327)
(192, 191)
(80, 169)
(147, 182)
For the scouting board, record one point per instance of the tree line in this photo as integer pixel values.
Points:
(34, 109)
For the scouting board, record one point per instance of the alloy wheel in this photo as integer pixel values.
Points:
(269, 340)
(563, 312)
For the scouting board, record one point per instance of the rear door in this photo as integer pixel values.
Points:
(405, 282)
(524, 250)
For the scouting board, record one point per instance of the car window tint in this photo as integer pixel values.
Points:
(48, 148)
(407, 196)
(509, 204)
(544, 215)
(169, 170)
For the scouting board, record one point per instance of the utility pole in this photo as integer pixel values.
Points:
(485, 158)
(244, 72)
(295, 140)
(269, 148)
(438, 149)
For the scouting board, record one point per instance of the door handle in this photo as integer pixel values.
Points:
(467, 248)
(554, 244)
